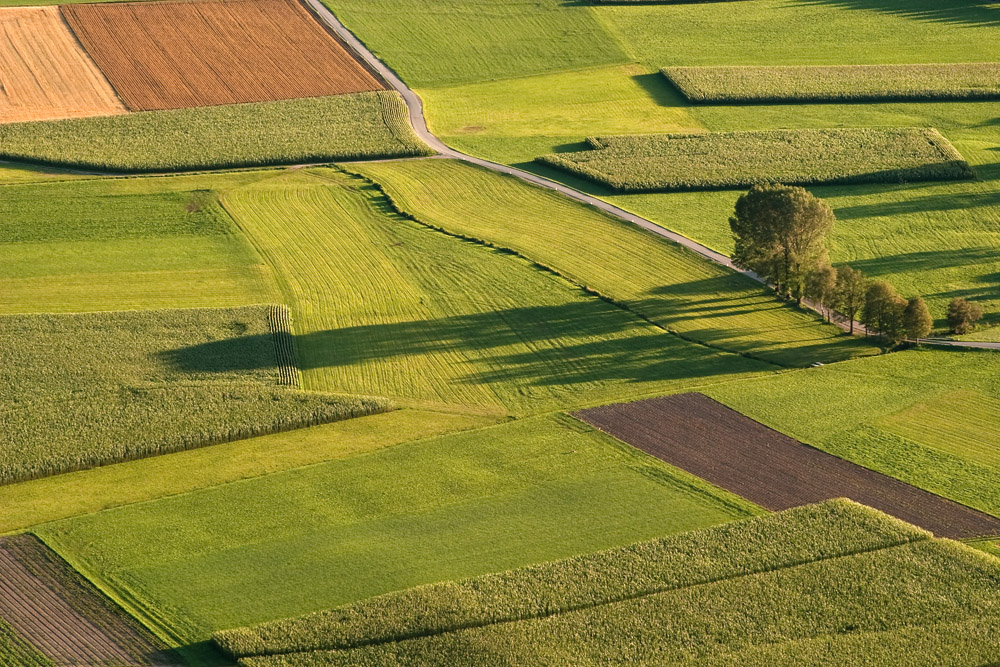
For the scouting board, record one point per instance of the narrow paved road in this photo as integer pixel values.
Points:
(416, 110)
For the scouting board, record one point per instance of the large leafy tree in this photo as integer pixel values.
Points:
(849, 296)
(917, 320)
(780, 233)
(883, 311)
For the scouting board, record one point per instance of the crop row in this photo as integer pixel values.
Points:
(841, 83)
(199, 376)
(669, 162)
(931, 582)
(805, 534)
(16, 651)
(323, 129)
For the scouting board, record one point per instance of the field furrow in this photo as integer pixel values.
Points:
(169, 55)
(44, 74)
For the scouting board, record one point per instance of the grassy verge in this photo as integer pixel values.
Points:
(85, 390)
(323, 129)
(843, 83)
(652, 163)
(832, 529)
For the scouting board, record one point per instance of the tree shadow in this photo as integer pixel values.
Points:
(931, 260)
(959, 12)
(661, 90)
(938, 202)
(567, 344)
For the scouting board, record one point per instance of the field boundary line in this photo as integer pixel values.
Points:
(419, 123)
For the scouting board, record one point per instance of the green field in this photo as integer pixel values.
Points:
(927, 417)
(83, 492)
(450, 507)
(659, 281)
(814, 532)
(445, 42)
(84, 390)
(684, 608)
(387, 306)
(15, 651)
(839, 83)
(126, 243)
(322, 129)
(731, 160)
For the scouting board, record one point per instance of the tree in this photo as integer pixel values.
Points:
(917, 320)
(780, 233)
(849, 296)
(962, 315)
(883, 311)
(821, 286)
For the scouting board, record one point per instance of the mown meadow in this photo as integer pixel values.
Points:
(653, 278)
(448, 507)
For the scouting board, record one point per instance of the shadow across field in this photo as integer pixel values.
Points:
(930, 260)
(939, 202)
(579, 342)
(962, 12)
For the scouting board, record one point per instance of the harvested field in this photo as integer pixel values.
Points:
(169, 55)
(44, 74)
(841, 83)
(727, 160)
(704, 437)
(63, 616)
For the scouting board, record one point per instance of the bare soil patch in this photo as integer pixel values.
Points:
(44, 72)
(718, 444)
(169, 55)
(62, 615)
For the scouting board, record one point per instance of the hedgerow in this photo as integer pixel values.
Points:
(322, 129)
(805, 534)
(925, 583)
(841, 83)
(667, 162)
(82, 390)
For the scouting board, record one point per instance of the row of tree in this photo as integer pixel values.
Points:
(781, 232)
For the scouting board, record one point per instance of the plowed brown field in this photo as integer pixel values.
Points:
(44, 74)
(168, 55)
(62, 615)
(716, 443)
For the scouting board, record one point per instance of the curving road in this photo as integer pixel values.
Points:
(416, 112)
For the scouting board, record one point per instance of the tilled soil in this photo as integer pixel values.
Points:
(62, 615)
(169, 55)
(722, 446)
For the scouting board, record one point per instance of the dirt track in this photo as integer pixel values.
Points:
(718, 444)
(169, 55)
(63, 616)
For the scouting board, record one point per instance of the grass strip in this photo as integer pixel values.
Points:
(729, 160)
(838, 83)
(805, 534)
(322, 129)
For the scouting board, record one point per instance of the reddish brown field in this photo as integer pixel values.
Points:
(44, 74)
(62, 615)
(169, 55)
(718, 444)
